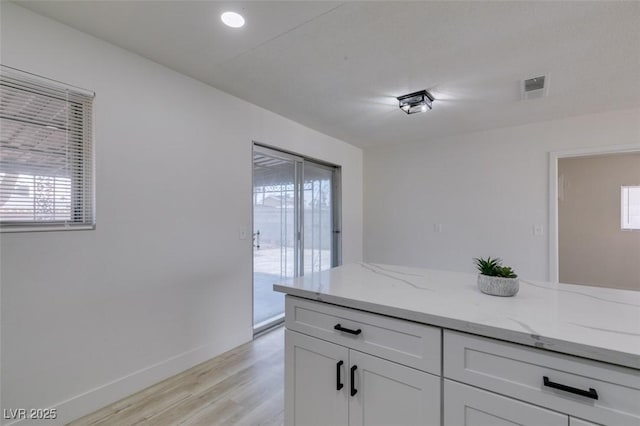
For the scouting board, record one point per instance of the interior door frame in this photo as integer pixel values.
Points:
(554, 156)
(336, 204)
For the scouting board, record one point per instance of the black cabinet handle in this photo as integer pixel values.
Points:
(591, 393)
(347, 330)
(339, 385)
(353, 380)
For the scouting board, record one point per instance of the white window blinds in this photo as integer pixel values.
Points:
(46, 154)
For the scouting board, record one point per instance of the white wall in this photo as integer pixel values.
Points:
(164, 282)
(487, 189)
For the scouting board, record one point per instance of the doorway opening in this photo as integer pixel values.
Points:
(594, 216)
(296, 225)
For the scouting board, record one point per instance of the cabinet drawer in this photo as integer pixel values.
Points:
(468, 406)
(404, 342)
(518, 371)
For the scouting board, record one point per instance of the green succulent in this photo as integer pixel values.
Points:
(488, 266)
(506, 272)
(493, 268)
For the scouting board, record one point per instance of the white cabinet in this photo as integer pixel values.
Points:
(329, 384)
(468, 406)
(407, 343)
(315, 381)
(392, 394)
(344, 366)
(602, 393)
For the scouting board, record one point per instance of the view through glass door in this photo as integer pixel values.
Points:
(318, 217)
(295, 226)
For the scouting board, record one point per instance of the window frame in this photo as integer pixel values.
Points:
(625, 224)
(82, 189)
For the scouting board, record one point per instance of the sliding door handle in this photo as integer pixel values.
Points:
(347, 330)
(591, 393)
(339, 384)
(354, 391)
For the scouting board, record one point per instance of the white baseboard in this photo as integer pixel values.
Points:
(101, 396)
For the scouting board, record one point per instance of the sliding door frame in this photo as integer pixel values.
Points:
(336, 220)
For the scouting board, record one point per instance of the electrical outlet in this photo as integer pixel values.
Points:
(437, 227)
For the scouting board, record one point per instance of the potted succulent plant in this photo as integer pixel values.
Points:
(496, 279)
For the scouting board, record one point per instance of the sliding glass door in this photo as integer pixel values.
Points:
(275, 225)
(295, 225)
(318, 217)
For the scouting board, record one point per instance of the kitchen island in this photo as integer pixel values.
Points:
(372, 344)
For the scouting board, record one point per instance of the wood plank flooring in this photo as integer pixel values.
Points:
(244, 386)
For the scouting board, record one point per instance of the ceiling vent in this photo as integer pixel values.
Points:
(534, 88)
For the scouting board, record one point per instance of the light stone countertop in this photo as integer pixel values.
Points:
(597, 323)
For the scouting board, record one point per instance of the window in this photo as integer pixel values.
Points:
(630, 207)
(46, 154)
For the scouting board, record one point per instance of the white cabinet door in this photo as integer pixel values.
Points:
(468, 406)
(578, 422)
(390, 394)
(311, 372)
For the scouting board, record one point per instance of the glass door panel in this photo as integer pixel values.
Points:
(318, 217)
(296, 226)
(274, 231)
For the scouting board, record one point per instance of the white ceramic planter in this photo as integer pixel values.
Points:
(498, 286)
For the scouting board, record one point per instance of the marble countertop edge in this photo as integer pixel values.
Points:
(597, 353)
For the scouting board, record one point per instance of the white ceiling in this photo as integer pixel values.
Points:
(337, 67)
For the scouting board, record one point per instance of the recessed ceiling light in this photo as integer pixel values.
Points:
(232, 19)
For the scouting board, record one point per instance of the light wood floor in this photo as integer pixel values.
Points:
(244, 386)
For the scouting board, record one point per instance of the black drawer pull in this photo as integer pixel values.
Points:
(353, 380)
(591, 393)
(339, 384)
(347, 330)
